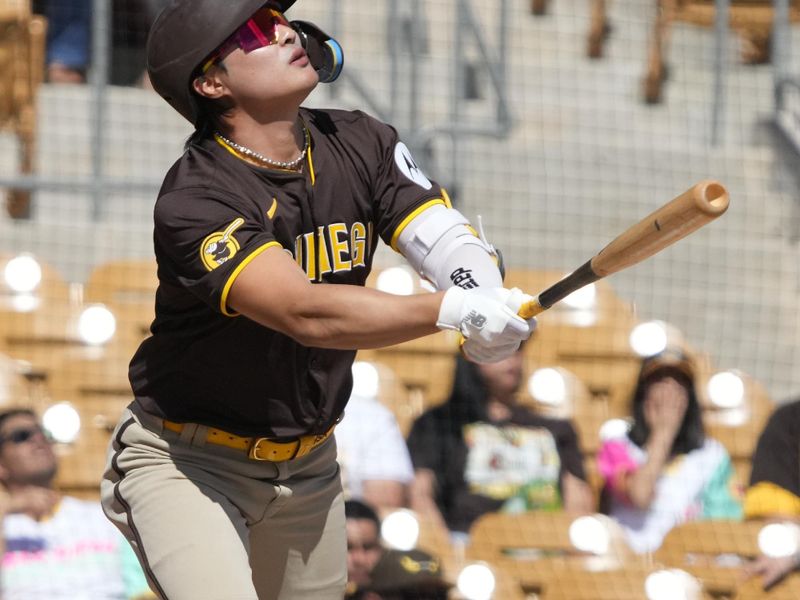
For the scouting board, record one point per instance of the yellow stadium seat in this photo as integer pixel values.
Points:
(52, 287)
(788, 589)
(566, 583)
(392, 393)
(531, 546)
(425, 373)
(713, 551)
(751, 19)
(15, 387)
(127, 287)
(22, 58)
(123, 281)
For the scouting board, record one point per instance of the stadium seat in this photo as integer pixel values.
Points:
(122, 281)
(52, 287)
(751, 19)
(715, 552)
(424, 370)
(127, 287)
(22, 58)
(15, 387)
(532, 546)
(392, 392)
(625, 583)
(81, 463)
(788, 589)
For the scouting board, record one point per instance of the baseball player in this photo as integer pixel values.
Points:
(222, 473)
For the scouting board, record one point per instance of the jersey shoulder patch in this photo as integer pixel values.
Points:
(220, 246)
(408, 166)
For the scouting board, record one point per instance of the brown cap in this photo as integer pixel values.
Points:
(409, 571)
(675, 358)
(183, 34)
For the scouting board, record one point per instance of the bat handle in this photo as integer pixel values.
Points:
(530, 309)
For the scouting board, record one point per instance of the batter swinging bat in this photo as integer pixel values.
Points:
(675, 220)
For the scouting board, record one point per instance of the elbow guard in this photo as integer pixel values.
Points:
(443, 248)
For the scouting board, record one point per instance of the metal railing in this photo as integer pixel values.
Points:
(405, 29)
(787, 86)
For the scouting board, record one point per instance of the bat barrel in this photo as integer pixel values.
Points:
(700, 204)
(697, 206)
(711, 197)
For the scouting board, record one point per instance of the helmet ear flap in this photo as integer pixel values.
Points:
(324, 52)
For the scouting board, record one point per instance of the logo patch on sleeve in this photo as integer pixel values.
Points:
(220, 246)
(406, 164)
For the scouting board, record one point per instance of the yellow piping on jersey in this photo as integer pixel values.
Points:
(309, 158)
(446, 197)
(311, 166)
(220, 141)
(411, 216)
(228, 284)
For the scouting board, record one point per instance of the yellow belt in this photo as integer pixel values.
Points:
(260, 448)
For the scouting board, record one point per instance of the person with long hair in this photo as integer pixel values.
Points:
(483, 451)
(665, 470)
(774, 490)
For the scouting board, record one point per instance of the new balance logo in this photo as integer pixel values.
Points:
(475, 319)
(463, 278)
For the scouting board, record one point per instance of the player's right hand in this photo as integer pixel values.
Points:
(476, 352)
(488, 320)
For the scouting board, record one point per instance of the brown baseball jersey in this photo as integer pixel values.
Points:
(215, 213)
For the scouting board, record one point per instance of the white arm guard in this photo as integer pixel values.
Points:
(441, 248)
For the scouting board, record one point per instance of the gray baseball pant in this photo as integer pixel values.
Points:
(208, 523)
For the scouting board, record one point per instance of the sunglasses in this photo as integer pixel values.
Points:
(258, 31)
(22, 435)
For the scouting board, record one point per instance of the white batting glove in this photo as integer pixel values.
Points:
(476, 352)
(487, 316)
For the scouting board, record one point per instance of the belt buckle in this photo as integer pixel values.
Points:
(253, 452)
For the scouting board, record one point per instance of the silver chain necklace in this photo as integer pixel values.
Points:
(291, 165)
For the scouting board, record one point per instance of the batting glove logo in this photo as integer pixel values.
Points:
(475, 320)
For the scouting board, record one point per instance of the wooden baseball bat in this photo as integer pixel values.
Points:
(675, 220)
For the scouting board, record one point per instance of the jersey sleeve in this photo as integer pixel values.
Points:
(204, 249)
(401, 189)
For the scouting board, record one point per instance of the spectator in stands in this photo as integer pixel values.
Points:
(482, 451)
(665, 470)
(774, 491)
(373, 455)
(375, 573)
(68, 39)
(55, 546)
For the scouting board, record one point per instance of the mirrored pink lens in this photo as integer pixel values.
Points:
(260, 30)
